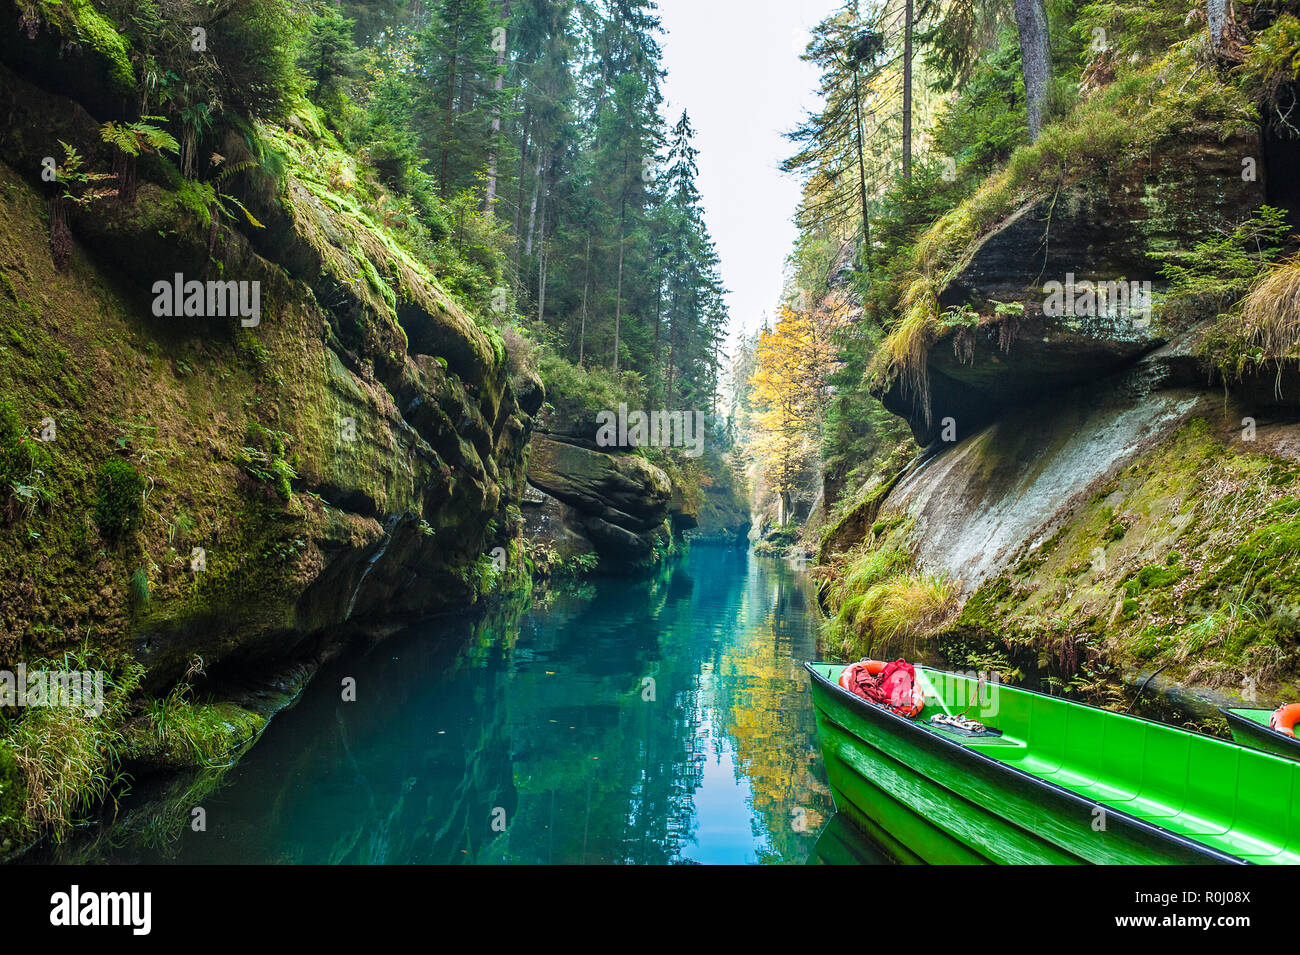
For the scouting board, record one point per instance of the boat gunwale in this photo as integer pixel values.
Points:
(1265, 731)
(923, 731)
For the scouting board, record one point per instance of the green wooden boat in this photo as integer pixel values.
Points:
(1250, 728)
(1064, 783)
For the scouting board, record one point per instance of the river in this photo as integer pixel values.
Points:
(652, 721)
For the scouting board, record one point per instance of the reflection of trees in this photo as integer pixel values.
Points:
(413, 772)
(603, 775)
(763, 690)
(540, 715)
(723, 645)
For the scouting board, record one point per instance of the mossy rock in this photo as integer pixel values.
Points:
(13, 796)
(188, 735)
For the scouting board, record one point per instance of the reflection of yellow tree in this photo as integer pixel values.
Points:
(790, 390)
(770, 722)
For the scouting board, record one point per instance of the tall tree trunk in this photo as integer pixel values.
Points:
(618, 296)
(1217, 13)
(862, 174)
(519, 193)
(672, 349)
(659, 301)
(450, 111)
(541, 276)
(586, 282)
(1035, 59)
(532, 209)
(541, 257)
(907, 91)
(713, 379)
(491, 199)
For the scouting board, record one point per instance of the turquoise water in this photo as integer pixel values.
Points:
(655, 721)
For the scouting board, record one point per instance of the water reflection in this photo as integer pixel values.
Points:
(651, 721)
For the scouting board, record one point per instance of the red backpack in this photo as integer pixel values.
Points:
(891, 685)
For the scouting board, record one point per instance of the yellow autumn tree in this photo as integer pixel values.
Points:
(789, 391)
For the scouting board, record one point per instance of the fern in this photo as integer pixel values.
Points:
(139, 137)
(77, 182)
(221, 201)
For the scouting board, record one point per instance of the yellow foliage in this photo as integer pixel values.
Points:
(789, 389)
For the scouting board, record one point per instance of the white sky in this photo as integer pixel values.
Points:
(734, 66)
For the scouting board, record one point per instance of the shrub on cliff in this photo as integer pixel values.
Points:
(578, 393)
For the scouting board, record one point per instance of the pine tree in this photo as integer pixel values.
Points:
(328, 57)
(459, 67)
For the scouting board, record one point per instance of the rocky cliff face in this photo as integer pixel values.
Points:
(1093, 497)
(610, 503)
(1101, 229)
(388, 409)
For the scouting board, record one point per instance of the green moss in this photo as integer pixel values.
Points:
(1267, 562)
(860, 516)
(1214, 535)
(980, 612)
(1147, 644)
(119, 501)
(1151, 577)
(178, 733)
(376, 282)
(24, 461)
(265, 456)
(79, 21)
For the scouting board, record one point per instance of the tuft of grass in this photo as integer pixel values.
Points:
(1267, 323)
(68, 758)
(120, 499)
(880, 599)
(906, 606)
(181, 526)
(905, 351)
(872, 567)
(140, 594)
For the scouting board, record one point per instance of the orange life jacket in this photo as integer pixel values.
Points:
(891, 685)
